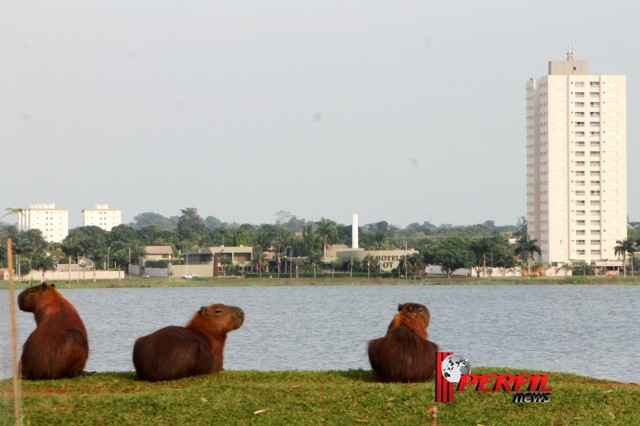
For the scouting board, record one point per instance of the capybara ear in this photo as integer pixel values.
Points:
(203, 311)
(53, 285)
(411, 308)
(399, 307)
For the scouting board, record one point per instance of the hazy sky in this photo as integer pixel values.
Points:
(406, 111)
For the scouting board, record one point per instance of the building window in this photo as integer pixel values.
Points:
(580, 252)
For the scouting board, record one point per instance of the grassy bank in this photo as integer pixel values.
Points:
(297, 397)
(320, 281)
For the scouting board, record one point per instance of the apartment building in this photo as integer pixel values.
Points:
(576, 140)
(51, 221)
(102, 216)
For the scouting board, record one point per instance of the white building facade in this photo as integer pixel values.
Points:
(51, 221)
(576, 137)
(102, 216)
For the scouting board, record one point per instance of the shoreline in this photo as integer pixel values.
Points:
(326, 281)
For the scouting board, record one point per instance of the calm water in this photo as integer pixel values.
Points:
(588, 330)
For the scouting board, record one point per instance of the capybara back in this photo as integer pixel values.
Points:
(59, 346)
(404, 354)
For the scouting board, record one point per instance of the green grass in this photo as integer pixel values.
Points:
(311, 398)
(323, 281)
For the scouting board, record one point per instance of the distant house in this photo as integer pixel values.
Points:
(203, 261)
(157, 253)
(240, 255)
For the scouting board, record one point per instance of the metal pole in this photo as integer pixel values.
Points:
(16, 374)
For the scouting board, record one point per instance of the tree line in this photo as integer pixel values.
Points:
(482, 247)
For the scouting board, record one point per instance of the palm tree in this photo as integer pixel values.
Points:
(314, 258)
(566, 267)
(505, 261)
(21, 247)
(43, 261)
(622, 248)
(3, 255)
(525, 248)
(259, 259)
(327, 231)
(480, 248)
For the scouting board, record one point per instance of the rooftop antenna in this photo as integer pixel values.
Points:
(570, 52)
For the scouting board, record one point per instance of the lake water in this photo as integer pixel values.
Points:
(588, 330)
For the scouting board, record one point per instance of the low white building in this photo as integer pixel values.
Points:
(388, 259)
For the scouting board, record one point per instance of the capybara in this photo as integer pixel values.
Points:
(58, 347)
(404, 354)
(176, 352)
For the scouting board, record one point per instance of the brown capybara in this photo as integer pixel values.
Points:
(58, 347)
(404, 354)
(176, 352)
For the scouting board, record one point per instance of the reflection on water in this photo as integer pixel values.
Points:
(588, 330)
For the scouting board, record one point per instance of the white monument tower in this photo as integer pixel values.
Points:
(354, 231)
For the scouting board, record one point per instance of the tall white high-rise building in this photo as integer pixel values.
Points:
(102, 216)
(576, 163)
(51, 221)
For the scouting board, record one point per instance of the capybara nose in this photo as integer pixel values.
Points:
(240, 313)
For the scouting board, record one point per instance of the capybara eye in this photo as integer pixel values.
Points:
(218, 311)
